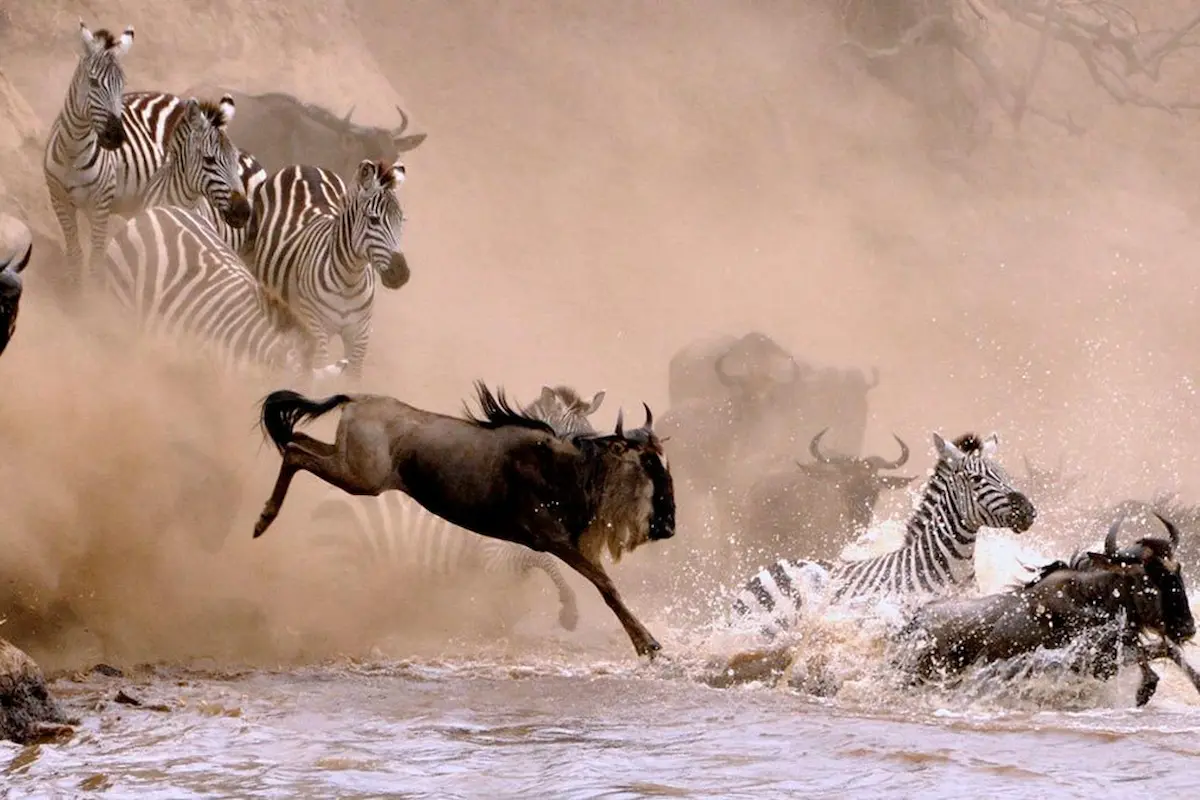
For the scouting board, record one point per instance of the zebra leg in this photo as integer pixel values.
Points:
(98, 224)
(568, 611)
(64, 209)
(354, 343)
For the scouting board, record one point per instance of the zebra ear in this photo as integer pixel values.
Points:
(947, 450)
(125, 42)
(547, 395)
(990, 445)
(228, 108)
(594, 406)
(368, 173)
(398, 172)
(90, 45)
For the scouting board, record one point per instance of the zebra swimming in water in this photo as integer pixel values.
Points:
(376, 539)
(967, 491)
(80, 163)
(319, 246)
(169, 267)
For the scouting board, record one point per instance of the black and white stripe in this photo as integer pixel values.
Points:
(80, 162)
(320, 245)
(968, 491)
(152, 121)
(170, 269)
(375, 540)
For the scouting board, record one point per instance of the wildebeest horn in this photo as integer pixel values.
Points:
(871, 384)
(620, 422)
(1110, 541)
(1172, 531)
(649, 423)
(814, 447)
(403, 122)
(902, 460)
(795, 371)
(346, 119)
(722, 375)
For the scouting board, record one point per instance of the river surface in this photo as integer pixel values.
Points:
(569, 728)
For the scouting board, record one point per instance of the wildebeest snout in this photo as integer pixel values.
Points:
(1023, 513)
(112, 135)
(238, 213)
(397, 272)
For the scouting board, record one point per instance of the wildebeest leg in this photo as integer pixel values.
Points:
(1170, 650)
(304, 453)
(1149, 684)
(643, 642)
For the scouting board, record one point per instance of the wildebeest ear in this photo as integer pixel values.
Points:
(406, 143)
(594, 406)
(895, 481)
(368, 173)
(947, 450)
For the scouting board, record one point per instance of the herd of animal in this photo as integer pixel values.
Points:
(270, 267)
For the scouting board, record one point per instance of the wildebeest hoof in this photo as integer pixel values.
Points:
(650, 649)
(1147, 689)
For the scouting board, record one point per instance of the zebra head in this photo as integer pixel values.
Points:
(379, 221)
(982, 492)
(99, 83)
(565, 410)
(210, 160)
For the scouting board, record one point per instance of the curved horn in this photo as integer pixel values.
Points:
(871, 384)
(899, 462)
(814, 447)
(620, 422)
(403, 122)
(649, 423)
(346, 119)
(722, 375)
(1172, 531)
(1110, 541)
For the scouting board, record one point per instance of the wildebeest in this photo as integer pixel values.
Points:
(281, 130)
(506, 476)
(16, 248)
(1062, 605)
(812, 511)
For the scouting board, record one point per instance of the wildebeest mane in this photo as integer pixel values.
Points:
(323, 116)
(498, 412)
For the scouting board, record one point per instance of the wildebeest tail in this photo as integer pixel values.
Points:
(282, 410)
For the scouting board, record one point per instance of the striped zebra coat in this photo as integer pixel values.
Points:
(375, 540)
(80, 162)
(150, 120)
(320, 246)
(968, 491)
(168, 267)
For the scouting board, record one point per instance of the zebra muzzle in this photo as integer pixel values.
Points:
(238, 212)
(112, 135)
(397, 272)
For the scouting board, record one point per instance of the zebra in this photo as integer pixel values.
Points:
(81, 158)
(967, 491)
(169, 268)
(373, 538)
(150, 120)
(319, 246)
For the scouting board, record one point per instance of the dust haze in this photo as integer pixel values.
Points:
(601, 184)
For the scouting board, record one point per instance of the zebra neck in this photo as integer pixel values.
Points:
(347, 267)
(74, 120)
(941, 518)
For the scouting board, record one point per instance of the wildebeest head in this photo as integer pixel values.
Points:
(638, 502)
(101, 78)
(380, 220)
(11, 266)
(213, 166)
(1162, 603)
(983, 492)
(755, 365)
(859, 479)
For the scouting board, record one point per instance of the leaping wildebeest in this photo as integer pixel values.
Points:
(814, 510)
(16, 248)
(281, 130)
(506, 476)
(1111, 596)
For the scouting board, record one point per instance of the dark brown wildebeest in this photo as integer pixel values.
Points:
(1065, 604)
(506, 476)
(281, 130)
(812, 511)
(16, 248)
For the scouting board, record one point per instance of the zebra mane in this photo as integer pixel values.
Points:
(969, 443)
(106, 36)
(385, 174)
(499, 413)
(211, 110)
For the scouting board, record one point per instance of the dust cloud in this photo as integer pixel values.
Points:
(601, 184)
